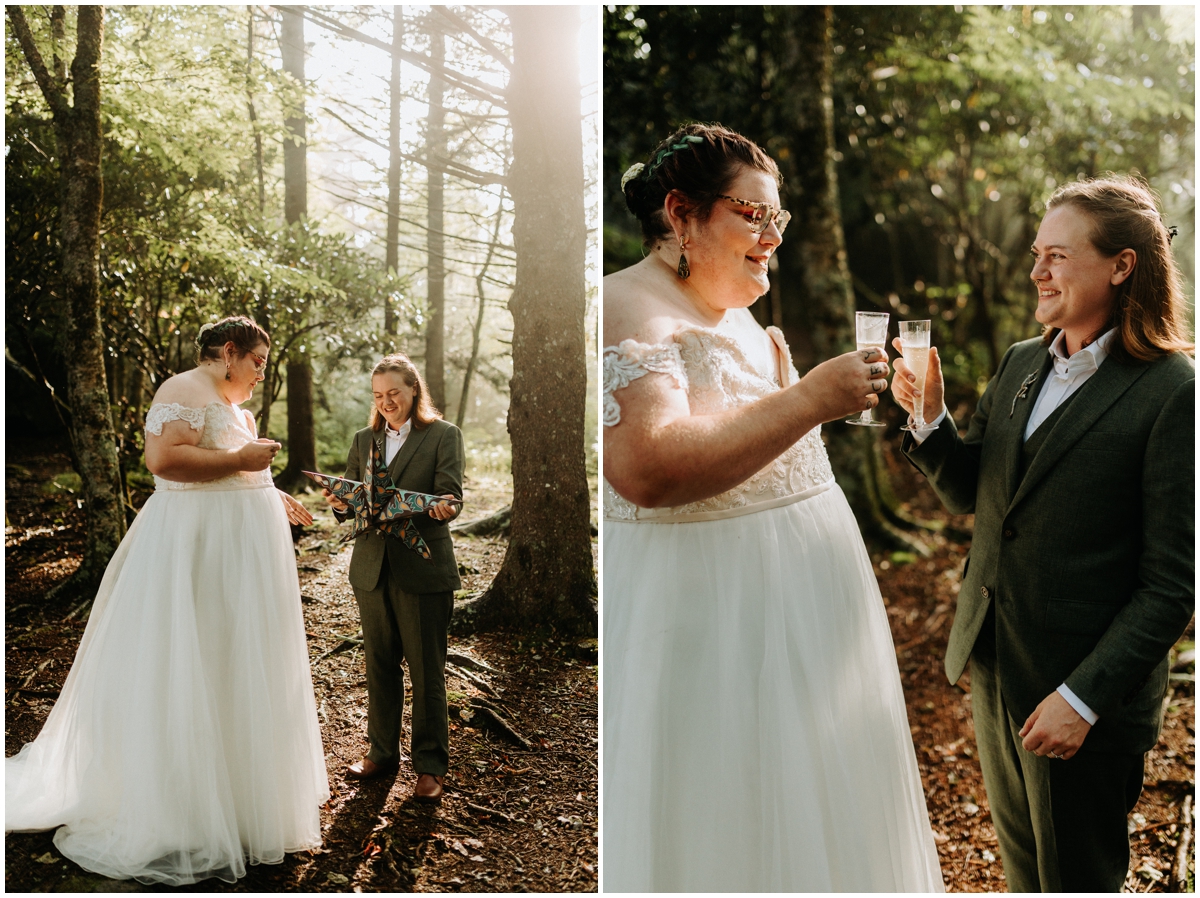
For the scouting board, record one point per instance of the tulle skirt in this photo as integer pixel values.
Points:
(184, 744)
(755, 734)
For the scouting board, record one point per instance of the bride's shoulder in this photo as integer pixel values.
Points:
(184, 397)
(187, 390)
(636, 309)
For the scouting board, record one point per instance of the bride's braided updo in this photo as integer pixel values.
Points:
(698, 160)
(244, 333)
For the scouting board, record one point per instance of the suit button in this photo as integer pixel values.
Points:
(983, 591)
(1008, 533)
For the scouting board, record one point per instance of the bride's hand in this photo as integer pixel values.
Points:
(257, 454)
(296, 513)
(847, 383)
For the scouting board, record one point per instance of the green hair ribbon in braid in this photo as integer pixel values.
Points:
(646, 172)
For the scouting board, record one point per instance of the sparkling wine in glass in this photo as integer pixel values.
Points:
(914, 343)
(870, 331)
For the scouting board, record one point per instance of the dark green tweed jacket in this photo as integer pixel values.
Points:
(430, 461)
(1090, 557)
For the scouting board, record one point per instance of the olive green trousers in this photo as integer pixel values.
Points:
(402, 626)
(1061, 825)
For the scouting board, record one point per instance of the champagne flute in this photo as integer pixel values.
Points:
(914, 343)
(870, 332)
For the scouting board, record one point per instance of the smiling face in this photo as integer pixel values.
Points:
(1076, 284)
(393, 397)
(245, 371)
(728, 260)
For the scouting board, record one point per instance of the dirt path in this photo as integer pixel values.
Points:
(514, 818)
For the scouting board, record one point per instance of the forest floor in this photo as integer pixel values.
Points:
(515, 818)
(920, 595)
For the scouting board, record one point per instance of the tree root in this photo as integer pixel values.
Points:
(481, 715)
(492, 525)
(474, 679)
(467, 661)
(1179, 876)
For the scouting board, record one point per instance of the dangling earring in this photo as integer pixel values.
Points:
(227, 377)
(684, 270)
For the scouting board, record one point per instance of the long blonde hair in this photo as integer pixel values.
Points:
(422, 413)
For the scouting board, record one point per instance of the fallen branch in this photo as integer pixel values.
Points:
(1180, 873)
(346, 643)
(29, 679)
(482, 809)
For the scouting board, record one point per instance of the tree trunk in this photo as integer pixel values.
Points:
(392, 249)
(435, 154)
(258, 145)
(302, 437)
(547, 577)
(81, 188)
(263, 315)
(295, 167)
(813, 266)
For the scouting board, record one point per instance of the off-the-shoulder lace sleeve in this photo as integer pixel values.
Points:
(630, 360)
(161, 414)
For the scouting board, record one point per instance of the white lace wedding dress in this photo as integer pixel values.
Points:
(755, 734)
(185, 744)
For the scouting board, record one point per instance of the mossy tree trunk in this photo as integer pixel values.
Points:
(76, 115)
(817, 295)
(301, 437)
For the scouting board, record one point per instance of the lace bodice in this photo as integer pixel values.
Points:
(224, 427)
(718, 372)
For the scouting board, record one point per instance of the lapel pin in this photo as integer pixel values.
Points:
(1023, 392)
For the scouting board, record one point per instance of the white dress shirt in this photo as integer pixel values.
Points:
(395, 439)
(1069, 374)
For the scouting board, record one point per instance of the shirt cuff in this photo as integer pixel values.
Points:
(1075, 702)
(919, 436)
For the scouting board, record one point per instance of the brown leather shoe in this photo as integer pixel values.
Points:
(367, 769)
(429, 788)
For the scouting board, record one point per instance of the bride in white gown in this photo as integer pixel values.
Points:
(755, 735)
(185, 744)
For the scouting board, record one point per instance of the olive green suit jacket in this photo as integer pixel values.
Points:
(430, 461)
(1089, 557)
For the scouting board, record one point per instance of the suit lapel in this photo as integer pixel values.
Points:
(407, 451)
(1023, 410)
(1094, 398)
(381, 441)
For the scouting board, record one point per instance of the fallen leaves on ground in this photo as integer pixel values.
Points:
(501, 824)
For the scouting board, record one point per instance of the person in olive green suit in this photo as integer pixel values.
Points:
(1079, 466)
(405, 600)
